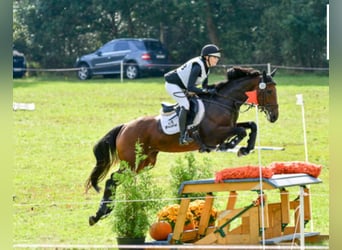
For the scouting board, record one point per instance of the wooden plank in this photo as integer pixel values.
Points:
(288, 237)
(285, 206)
(179, 227)
(307, 205)
(225, 215)
(264, 210)
(277, 181)
(253, 227)
(246, 224)
(242, 239)
(222, 187)
(207, 240)
(189, 235)
(294, 204)
(232, 200)
(192, 235)
(204, 221)
(274, 215)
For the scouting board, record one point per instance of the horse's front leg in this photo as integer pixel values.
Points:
(234, 137)
(237, 134)
(252, 137)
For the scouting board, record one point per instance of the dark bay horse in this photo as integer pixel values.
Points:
(218, 130)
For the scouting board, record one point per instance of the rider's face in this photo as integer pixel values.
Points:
(213, 60)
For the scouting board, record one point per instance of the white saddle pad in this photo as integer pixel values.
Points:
(170, 122)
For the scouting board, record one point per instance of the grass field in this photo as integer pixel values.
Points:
(53, 148)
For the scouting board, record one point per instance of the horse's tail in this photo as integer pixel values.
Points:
(106, 155)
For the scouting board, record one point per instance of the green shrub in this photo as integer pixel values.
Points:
(186, 169)
(136, 199)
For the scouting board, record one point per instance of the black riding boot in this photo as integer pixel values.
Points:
(184, 138)
(106, 203)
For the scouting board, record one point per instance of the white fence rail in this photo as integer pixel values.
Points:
(224, 66)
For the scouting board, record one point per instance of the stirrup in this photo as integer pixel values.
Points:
(185, 140)
(188, 138)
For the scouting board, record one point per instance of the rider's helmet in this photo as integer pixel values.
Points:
(211, 50)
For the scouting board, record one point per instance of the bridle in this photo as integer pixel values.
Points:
(263, 92)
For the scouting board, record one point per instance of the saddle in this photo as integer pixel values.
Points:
(169, 107)
(168, 117)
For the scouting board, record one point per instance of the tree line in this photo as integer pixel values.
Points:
(283, 32)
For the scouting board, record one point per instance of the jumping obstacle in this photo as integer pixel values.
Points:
(276, 216)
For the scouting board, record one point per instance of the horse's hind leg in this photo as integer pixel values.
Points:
(106, 202)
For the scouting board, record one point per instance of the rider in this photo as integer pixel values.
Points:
(184, 79)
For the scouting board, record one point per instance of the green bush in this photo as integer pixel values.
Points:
(136, 200)
(186, 169)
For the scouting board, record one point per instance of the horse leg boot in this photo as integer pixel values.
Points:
(106, 203)
(184, 138)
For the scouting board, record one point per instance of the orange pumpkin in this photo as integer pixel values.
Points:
(160, 230)
(189, 226)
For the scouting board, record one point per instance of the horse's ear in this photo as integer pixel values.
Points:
(264, 75)
(273, 72)
(262, 83)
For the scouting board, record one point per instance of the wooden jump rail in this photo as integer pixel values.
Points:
(276, 215)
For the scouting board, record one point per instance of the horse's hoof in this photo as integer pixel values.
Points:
(242, 152)
(92, 220)
(204, 150)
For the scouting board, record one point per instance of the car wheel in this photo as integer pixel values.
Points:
(132, 71)
(84, 72)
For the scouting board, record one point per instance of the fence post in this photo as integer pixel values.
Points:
(268, 68)
(121, 71)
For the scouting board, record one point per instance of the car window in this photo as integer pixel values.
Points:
(121, 46)
(153, 45)
(107, 48)
(139, 45)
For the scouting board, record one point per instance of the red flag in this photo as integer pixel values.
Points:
(252, 97)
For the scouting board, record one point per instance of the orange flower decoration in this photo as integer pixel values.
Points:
(169, 213)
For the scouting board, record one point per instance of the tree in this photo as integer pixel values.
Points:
(286, 32)
(296, 34)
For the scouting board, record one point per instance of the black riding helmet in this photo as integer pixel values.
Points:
(211, 50)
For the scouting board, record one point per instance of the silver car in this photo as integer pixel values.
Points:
(134, 56)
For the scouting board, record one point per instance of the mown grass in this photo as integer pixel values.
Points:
(53, 148)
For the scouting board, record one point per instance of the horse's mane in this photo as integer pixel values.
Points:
(237, 72)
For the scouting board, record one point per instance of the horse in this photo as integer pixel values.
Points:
(217, 130)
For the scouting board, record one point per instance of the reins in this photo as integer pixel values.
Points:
(224, 106)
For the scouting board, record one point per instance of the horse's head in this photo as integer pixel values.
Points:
(267, 96)
(242, 80)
